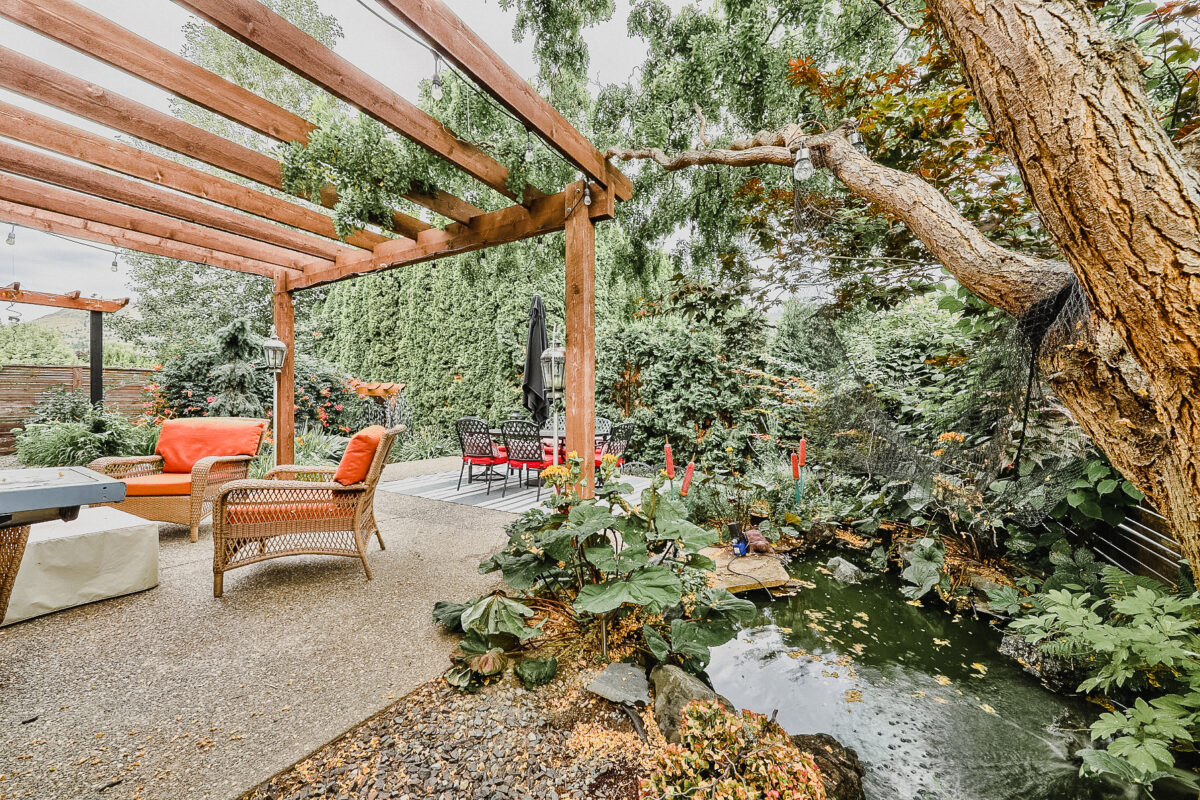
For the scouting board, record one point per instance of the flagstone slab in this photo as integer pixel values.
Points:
(745, 573)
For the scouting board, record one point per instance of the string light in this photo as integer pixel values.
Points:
(528, 146)
(114, 262)
(435, 91)
(587, 195)
(804, 168)
(12, 235)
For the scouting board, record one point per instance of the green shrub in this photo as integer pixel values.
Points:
(60, 404)
(425, 443)
(730, 756)
(67, 444)
(313, 447)
(1139, 641)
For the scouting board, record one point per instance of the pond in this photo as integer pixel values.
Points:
(923, 696)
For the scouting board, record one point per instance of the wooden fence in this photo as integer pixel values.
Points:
(1142, 544)
(22, 387)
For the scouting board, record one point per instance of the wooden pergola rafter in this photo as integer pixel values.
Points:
(62, 179)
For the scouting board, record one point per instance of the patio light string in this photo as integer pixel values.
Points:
(12, 239)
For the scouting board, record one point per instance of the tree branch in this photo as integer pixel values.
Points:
(1004, 278)
(894, 14)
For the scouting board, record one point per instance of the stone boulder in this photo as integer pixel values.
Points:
(843, 571)
(841, 771)
(1061, 675)
(674, 689)
(622, 683)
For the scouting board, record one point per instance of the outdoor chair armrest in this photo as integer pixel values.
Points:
(127, 466)
(301, 472)
(262, 492)
(212, 472)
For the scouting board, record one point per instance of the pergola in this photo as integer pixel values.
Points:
(119, 195)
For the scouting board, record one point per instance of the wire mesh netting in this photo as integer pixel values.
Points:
(991, 426)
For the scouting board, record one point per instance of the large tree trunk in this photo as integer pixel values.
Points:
(1065, 100)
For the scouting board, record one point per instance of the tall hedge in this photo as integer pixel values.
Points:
(454, 330)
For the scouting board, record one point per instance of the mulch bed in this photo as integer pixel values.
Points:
(552, 743)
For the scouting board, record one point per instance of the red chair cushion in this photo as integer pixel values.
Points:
(183, 442)
(530, 464)
(164, 484)
(360, 452)
(486, 461)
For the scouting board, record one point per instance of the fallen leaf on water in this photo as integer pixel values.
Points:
(862, 615)
(939, 700)
(853, 696)
(980, 667)
(987, 708)
(942, 642)
(943, 680)
(916, 603)
(918, 693)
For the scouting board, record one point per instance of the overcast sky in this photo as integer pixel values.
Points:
(40, 261)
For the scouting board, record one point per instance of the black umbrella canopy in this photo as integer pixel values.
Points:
(533, 388)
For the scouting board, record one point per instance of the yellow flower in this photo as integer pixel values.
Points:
(572, 454)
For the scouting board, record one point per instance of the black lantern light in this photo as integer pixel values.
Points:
(274, 351)
(554, 369)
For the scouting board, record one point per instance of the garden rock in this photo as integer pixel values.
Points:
(674, 689)
(841, 771)
(843, 571)
(1061, 675)
(622, 683)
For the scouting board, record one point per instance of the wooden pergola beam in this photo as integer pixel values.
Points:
(83, 207)
(36, 130)
(13, 293)
(94, 35)
(64, 225)
(257, 26)
(298, 248)
(442, 29)
(511, 224)
(29, 77)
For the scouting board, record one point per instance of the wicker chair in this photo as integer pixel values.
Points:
(523, 446)
(478, 450)
(174, 485)
(298, 510)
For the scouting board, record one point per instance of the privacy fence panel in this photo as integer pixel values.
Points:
(22, 386)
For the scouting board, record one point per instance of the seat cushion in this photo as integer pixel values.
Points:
(164, 484)
(485, 461)
(360, 452)
(286, 512)
(183, 442)
(515, 464)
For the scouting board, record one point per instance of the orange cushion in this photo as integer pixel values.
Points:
(164, 484)
(183, 442)
(286, 512)
(356, 461)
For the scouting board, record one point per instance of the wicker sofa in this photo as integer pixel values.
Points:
(194, 458)
(298, 510)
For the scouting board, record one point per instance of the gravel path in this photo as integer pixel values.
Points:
(553, 743)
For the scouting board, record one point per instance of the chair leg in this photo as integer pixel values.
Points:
(218, 584)
(507, 474)
(460, 474)
(195, 532)
(362, 553)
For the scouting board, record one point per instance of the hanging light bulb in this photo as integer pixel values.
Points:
(804, 168)
(857, 142)
(528, 147)
(435, 90)
(114, 263)
(12, 235)
(587, 195)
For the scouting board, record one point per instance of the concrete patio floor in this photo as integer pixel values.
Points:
(177, 694)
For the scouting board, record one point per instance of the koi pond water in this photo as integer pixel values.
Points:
(923, 696)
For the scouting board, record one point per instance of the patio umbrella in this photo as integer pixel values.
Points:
(532, 387)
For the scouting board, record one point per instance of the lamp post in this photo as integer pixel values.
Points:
(274, 354)
(554, 378)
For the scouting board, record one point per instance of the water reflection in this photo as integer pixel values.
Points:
(932, 709)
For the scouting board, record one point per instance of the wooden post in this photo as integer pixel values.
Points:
(581, 334)
(285, 329)
(96, 356)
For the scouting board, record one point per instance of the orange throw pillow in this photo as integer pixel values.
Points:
(356, 461)
(183, 442)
